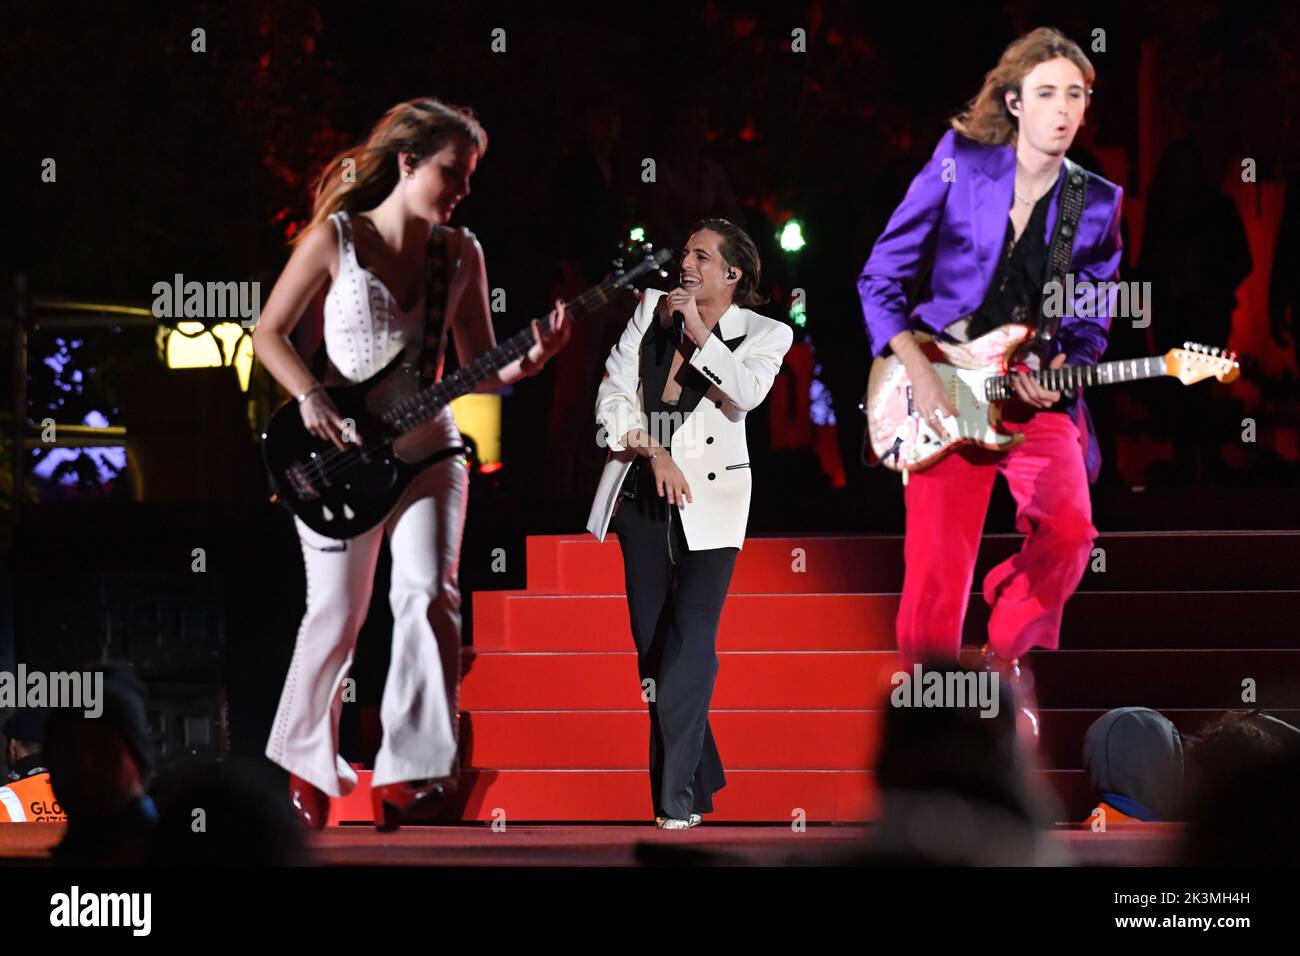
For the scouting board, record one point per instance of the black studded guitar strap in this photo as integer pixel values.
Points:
(435, 307)
(1061, 253)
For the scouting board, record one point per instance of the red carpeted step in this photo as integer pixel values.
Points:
(610, 795)
(505, 680)
(1205, 679)
(747, 739)
(1167, 560)
(608, 681)
(1173, 620)
(770, 796)
(523, 621)
(604, 739)
(815, 680)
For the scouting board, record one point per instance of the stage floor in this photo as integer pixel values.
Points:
(627, 845)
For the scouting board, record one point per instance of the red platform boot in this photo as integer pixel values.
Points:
(309, 802)
(1021, 681)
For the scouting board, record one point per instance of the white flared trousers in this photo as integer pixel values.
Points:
(421, 692)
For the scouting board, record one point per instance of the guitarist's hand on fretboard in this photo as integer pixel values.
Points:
(557, 335)
(1031, 392)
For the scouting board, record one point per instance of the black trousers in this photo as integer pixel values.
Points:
(674, 599)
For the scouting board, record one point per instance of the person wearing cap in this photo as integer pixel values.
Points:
(1134, 758)
(28, 796)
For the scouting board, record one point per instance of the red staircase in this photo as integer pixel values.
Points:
(553, 727)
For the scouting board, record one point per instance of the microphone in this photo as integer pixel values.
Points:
(679, 325)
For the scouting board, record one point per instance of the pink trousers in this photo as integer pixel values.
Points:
(946, 506)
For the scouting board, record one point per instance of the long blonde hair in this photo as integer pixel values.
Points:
(421, 126)
(986, 118)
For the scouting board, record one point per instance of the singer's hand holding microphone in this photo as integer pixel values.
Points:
(686, 317)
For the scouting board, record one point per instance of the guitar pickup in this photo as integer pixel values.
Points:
(302, 485)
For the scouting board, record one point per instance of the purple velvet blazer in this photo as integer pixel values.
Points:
(948, 233)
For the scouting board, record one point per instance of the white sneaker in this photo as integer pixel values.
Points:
(668, 823)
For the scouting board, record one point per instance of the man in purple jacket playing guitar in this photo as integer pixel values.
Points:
(977, 224)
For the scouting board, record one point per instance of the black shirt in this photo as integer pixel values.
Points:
(1015, 294)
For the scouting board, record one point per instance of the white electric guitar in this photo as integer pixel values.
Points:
(976, 377)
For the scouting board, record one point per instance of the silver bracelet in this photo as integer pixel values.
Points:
(315, 388)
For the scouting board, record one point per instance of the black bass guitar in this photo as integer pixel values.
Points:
(344, 493)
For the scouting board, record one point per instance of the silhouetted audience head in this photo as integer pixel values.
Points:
(1243, 790)
(1134, 758)
(1246, 790)
(955, 786)
(1231, 743)
(24, 733)
(99, 769)
(225, 814)
(97, 764)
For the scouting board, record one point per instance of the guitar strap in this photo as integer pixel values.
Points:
(1058, 265)
(436, 288)
(1062, 251)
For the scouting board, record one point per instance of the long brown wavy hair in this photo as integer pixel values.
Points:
(421, 126)
(986, 118)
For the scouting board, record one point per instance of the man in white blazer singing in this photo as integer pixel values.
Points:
(676, 486)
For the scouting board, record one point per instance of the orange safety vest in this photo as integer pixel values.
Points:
(1113, 815)
(30, 800)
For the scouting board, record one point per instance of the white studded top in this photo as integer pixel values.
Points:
(365, 326)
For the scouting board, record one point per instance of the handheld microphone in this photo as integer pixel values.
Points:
(679, 325)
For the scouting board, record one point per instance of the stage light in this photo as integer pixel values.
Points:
(637, 234)
(478, 416)
(798, 312)
(791, 236)
(194, 345)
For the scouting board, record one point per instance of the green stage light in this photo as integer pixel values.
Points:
(791, 236)
(798, 313)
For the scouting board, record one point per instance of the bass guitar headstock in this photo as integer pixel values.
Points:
(637, 260)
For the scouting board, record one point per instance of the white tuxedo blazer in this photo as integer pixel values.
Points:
(741, 360)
